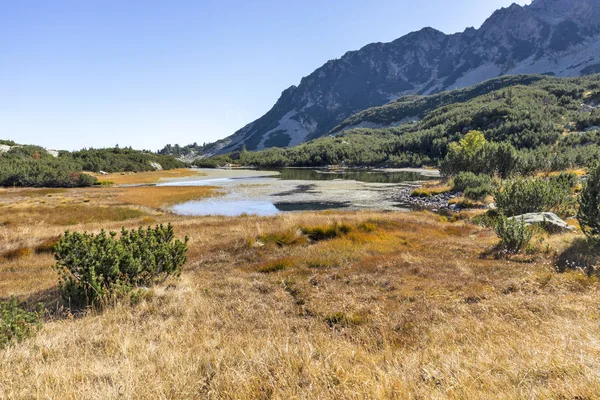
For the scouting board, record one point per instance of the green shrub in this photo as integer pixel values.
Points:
(466, 180)
(475, 154)
(475, 187)
(514, 234)
(566, 180)
(479, 192)
(94, 267)
(32, 166)
(488, 219)
(526, 195)
(589, 205)
(16, 323)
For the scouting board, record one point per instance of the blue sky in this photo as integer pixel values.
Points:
(144, 73)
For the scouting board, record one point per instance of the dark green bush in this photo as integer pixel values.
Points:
(475, 187)
(479, 192)
(94, 267)
(465, 180)
(31, 166)
(589, 205)
(213, 162)
(475, 154)
(16, 323)
(526, 195)
(566, 180)
(121, 160)
(514, 234)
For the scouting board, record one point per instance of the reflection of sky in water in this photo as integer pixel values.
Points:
(264, 196)
(227, 208)
(233, 208)
(203, 182)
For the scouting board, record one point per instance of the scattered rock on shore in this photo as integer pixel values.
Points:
(434, 202)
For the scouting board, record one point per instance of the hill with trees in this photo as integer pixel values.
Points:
(33, 166)
(552, 124)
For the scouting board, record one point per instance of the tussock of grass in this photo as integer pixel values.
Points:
(281, 239)
(343, 319)
(19, 252)
(367, 227)
(306, 234)
(432, 189)
(275, 266)
(464, 202)
(318, 233)
(323, 263)
(47, 245)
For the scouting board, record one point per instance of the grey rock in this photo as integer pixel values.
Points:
(156, 166)
(545, 218)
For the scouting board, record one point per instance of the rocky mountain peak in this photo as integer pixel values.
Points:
(557, 37)
(579, 11)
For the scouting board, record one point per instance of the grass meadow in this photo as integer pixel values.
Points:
(324, 305)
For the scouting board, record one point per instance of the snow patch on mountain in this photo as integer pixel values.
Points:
(297, 128)
(479, 74)
(569, 63)
(374, 125)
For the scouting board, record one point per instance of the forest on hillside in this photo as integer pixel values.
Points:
(552, 124)
(33, 166)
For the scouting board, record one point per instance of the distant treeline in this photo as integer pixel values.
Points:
(552, 124)
(33, 166)
(122, 160)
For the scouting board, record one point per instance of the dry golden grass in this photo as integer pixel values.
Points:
(432, 188)
(161, 196)
(399, 306)
(147, 177)
(578, 171)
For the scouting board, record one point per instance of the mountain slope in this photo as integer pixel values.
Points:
(555, 37)
(553, 123)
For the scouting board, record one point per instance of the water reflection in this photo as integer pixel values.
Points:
(311, 206)
(226, 208)
(355, 175)
(233, 208)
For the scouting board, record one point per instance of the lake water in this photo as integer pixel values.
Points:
(266, 193)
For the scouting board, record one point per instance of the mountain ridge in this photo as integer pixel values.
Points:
(554, 37)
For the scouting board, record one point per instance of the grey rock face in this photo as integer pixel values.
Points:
(545, 218)
(557, 37)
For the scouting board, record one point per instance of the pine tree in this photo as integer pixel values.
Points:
(589, 205)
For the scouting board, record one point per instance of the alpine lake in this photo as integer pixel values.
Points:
(270, 192)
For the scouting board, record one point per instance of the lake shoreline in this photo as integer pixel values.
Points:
(291, 189)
